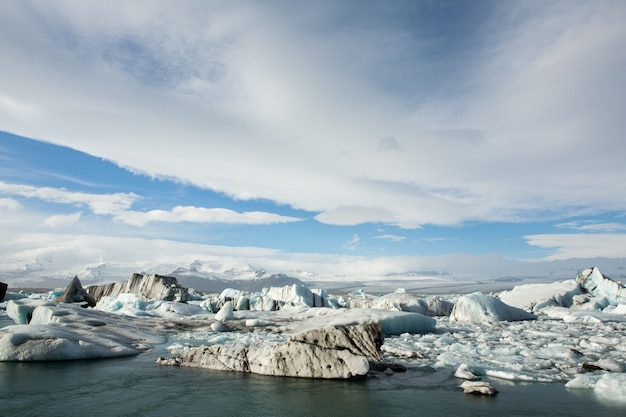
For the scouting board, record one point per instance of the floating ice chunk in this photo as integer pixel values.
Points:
(243, 303)
(610, 387)
(295, 294)
(333, 352)
(392, 322)
(593, 303)
(478, 307)
(512, 376)
(21, 312)
(14, 296)
(534, 297)
(230, 293)
(220, 327)
(597, 284)
(51, 343)
(129, 304)
(478, 387)
(400, 300)
(60, 331)
(404, 322)
(569, 315)
(619, 309)
(226, 312)
(584, 381)
(175, 309)
(258, 323)
(607, 365)
(464, 372)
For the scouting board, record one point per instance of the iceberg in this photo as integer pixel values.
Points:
(478, 307)
(478, 387)
(534, 297)
(330, 353)
(147, 287)
(39, 342)
(402, 301)
(75, 293)
(610, 387)
(51, 331)
(592, 280)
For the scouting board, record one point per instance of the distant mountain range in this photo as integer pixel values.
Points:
(216, 274)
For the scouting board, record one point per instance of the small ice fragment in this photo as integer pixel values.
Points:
(478, 387)
(226, 312)
(464, 372)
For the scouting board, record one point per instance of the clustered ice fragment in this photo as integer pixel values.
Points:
(572, 332)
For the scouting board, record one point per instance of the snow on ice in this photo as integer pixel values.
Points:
(572, 332)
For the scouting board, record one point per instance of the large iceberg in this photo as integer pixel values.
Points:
(147, 287)
(400, 300)
(331, 353)
(479, 307)
(610, 387)
(51, 331)
(75, 293)
(592, 280)
(535, 297)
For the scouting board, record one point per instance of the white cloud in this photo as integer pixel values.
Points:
(581, 245)
(118, 205)
(353, 243)
(281, 105)
(438, 239)
(591, 226)
(99, 203)
(391, 237)
(201, 215)
(9, 204)
(62, 220)
(353, 215)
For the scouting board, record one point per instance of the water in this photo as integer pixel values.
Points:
(136, 386)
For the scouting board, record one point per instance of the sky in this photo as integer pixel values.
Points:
(340, 138)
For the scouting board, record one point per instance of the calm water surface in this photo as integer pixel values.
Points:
(136, 386)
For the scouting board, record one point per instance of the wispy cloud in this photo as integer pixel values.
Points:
(201, 215)
(391, 237)
(581, 245)
(9, 204)
(352, 244)
(438, 239)
(98, 203)
(593, 226)
(62, 220)
(118, 205)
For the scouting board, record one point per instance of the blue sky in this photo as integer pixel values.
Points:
(312, 133)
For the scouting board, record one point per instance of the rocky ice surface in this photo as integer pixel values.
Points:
(332, 353)
(571, 332)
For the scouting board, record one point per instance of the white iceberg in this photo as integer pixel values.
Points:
(609, 386)
(534, 297)
(597, 284)
(478, 307)
(52, 331)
